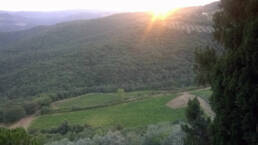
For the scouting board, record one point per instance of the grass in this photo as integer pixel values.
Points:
(205, 93)
(134, 114)
(95, 99)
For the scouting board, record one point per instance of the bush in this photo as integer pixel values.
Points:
(154, 135)
(197, 128)
(176, 137)
(16, 137)
(13, 113)
(44, 110)
(1, 116)
(111, 138)
(43, 100)
(31, 107)
(64, 128)
(161, 134)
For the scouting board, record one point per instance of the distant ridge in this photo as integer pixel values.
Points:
(101, 55)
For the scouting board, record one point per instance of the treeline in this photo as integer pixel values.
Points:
(102, 55)
(14, 111)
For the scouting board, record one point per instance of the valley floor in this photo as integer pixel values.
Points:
(133, 109)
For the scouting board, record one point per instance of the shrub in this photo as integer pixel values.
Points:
(64, 128)
(161, 134)
(176, 137)
(16, 137)
(1, 116)
(197, 128)
(154, 136)
(111, 138)
(45, 110)
(13, 113)
(31, 107)
(43, 100)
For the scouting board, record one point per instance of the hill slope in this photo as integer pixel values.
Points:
(16, 21)
(121, 51)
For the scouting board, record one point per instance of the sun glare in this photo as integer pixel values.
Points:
(161, 14)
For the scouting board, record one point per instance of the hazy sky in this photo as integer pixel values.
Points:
(116, 5)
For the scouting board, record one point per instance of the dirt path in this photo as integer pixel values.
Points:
(181, 102)
(24, 122)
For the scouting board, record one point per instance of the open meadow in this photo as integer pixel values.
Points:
(137, 113)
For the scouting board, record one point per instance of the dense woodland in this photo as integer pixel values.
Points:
(126, 51)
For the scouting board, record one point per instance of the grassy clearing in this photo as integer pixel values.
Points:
(134, 114)
(205, 94)
(96, 99)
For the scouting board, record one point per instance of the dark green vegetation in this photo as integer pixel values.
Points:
(159, 134)
(97, 55)
(231, 73)
(203, 64)
(234, 74)
(129, 51)
(16, 137)
(139, 113)
(12, 114)
(64, 128)
(196, 129)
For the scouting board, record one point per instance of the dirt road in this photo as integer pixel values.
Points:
(24, 122)
(182, 100)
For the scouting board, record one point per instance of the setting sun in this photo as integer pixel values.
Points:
(160, 14)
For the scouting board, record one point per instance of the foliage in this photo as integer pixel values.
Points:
(16, 137)
(31, 107)
(176, 137)
(43, 100)
(234, 77)
(44, 110)
(64, 128)
(1, 116)
(101, 55)
(205, 59)
(197, 128)
(13, 113)
(155, 134)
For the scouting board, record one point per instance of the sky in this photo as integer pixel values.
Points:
(105, 5)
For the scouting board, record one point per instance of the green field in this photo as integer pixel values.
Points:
(204, 93)
(97, 99)
(133, 114)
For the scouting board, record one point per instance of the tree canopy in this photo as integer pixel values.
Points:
(234, 75)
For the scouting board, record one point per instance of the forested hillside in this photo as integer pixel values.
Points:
(16, 21)
(129, 51)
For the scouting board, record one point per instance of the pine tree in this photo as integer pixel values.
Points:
(234, 78)
(196, 129)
